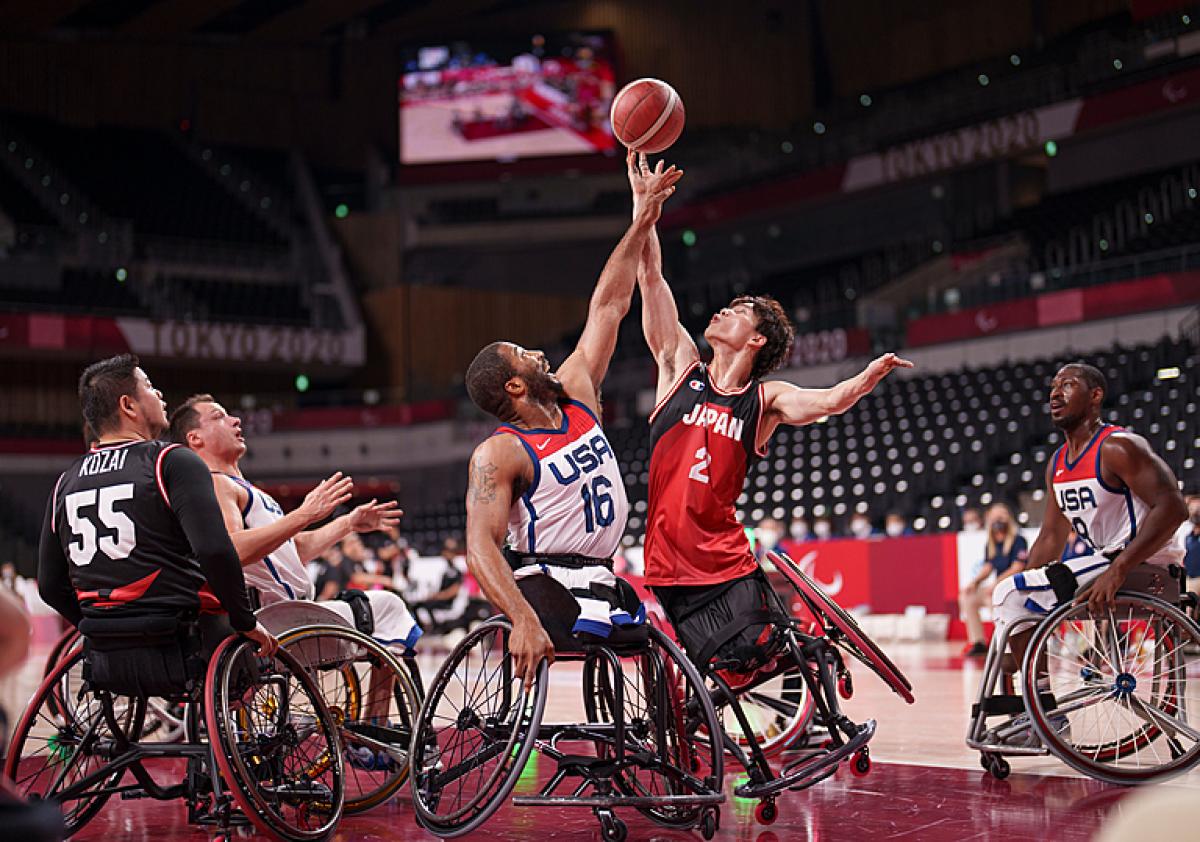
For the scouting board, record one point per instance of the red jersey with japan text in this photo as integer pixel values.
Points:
(703, 441)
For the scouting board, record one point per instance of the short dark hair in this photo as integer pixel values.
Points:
(1092, 376)
(486, 376)
(186, 417)
(101, 387)
(775, 326)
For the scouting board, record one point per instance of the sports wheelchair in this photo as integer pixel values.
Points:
(646, 742)
(271, 757)
(792, 684)
(1114, 701)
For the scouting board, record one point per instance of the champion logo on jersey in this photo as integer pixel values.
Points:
(696, 385)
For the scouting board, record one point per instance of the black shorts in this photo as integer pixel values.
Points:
(726, 625)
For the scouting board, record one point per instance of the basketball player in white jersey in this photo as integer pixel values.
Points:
(1118, 496)
(547, 482)
(275, 547)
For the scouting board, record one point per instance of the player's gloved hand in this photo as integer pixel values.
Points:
(267, 644)
(529, 644)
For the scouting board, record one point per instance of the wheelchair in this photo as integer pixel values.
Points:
(1117, 707)
(794, 685)
(647, 742)
(271, 758)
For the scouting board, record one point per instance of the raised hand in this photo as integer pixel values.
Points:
(881, 367)
(373, 516)
(327, 496)
(651, 187)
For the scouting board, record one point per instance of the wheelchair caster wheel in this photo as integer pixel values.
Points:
(708, 824)
(997, 766)
(766, 812)
(612, 829)
(860, 766)
(845, 686)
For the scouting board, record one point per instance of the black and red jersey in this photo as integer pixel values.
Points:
(125, 547)
(703, 441)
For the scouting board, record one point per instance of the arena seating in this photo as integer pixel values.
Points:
(923, 446)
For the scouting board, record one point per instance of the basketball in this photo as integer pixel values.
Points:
(647, 115)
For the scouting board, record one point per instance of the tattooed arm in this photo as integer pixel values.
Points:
(499, 467)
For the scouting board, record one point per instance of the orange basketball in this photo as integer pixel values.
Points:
(647, 115)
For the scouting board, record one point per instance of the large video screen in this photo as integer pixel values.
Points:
(507, 99)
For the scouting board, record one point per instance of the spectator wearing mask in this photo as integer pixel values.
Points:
(767, 536)
(798, 533)
(860, 527)
(823, 528)
(894, 525)
(1075, 547)
(972, 520)
(1004, 556)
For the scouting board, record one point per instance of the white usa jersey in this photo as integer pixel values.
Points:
(1106, 518)
(280, 575)
(576, 504)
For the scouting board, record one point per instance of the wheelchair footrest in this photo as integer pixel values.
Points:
(1001, 705)
(806, 771)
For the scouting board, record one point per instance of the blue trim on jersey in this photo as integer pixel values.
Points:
(1100, 476)
(1104, 563)
(249, 495)
(509, 428)
(527, 497)
(1082, 453)
(274, 575)
(585, 408)
(592, 627)
(1032, 605)
(1132, 516)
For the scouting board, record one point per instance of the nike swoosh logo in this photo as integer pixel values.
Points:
(543, 445)
(1058, 472)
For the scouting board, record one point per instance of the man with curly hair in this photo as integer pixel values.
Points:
(710, 422)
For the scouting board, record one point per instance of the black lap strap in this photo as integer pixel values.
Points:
(518, 560)
(731, 630)
(1063, 580)
(360, 609)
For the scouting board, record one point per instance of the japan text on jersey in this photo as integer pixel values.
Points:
(576, 504)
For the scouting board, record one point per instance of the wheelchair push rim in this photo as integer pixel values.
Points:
(307, 803)
(428, 752)
(849, 636)
(68, 732)
(1121, 710)
(347, 703)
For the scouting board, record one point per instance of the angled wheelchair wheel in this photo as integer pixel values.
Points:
(274, 741)
(779, 710)
(1119, 708)
(476, 730)
(841, 628)
(65, 644)
(669, 727)
(65, 740)
(370, 695)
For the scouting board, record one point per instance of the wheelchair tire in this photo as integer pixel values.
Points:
(1119, 687)
(339, 660)
(261, 714)
(512, 715)
(670, 716)
(842, 629)
(55, 731)
(66, 642)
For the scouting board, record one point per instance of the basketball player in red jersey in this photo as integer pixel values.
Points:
(546, 482)
(710, 421)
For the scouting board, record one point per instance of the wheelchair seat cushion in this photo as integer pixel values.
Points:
(145, 656)
(558, 611)
(727, 626)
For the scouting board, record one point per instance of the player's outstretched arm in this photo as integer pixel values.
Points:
(671, 345)
(788, 404)
(496, 466)
(369, 517)
(1132, 461)
(582, 372)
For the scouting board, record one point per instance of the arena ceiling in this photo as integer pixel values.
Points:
(266, 20)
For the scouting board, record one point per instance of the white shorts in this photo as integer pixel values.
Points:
(394, 624)
(1029, 594)
(600, 607)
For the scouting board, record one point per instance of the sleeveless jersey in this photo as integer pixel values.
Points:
(702, 445)
(280, 575)
(576, 504)
(125, 546)
(1104, 517)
